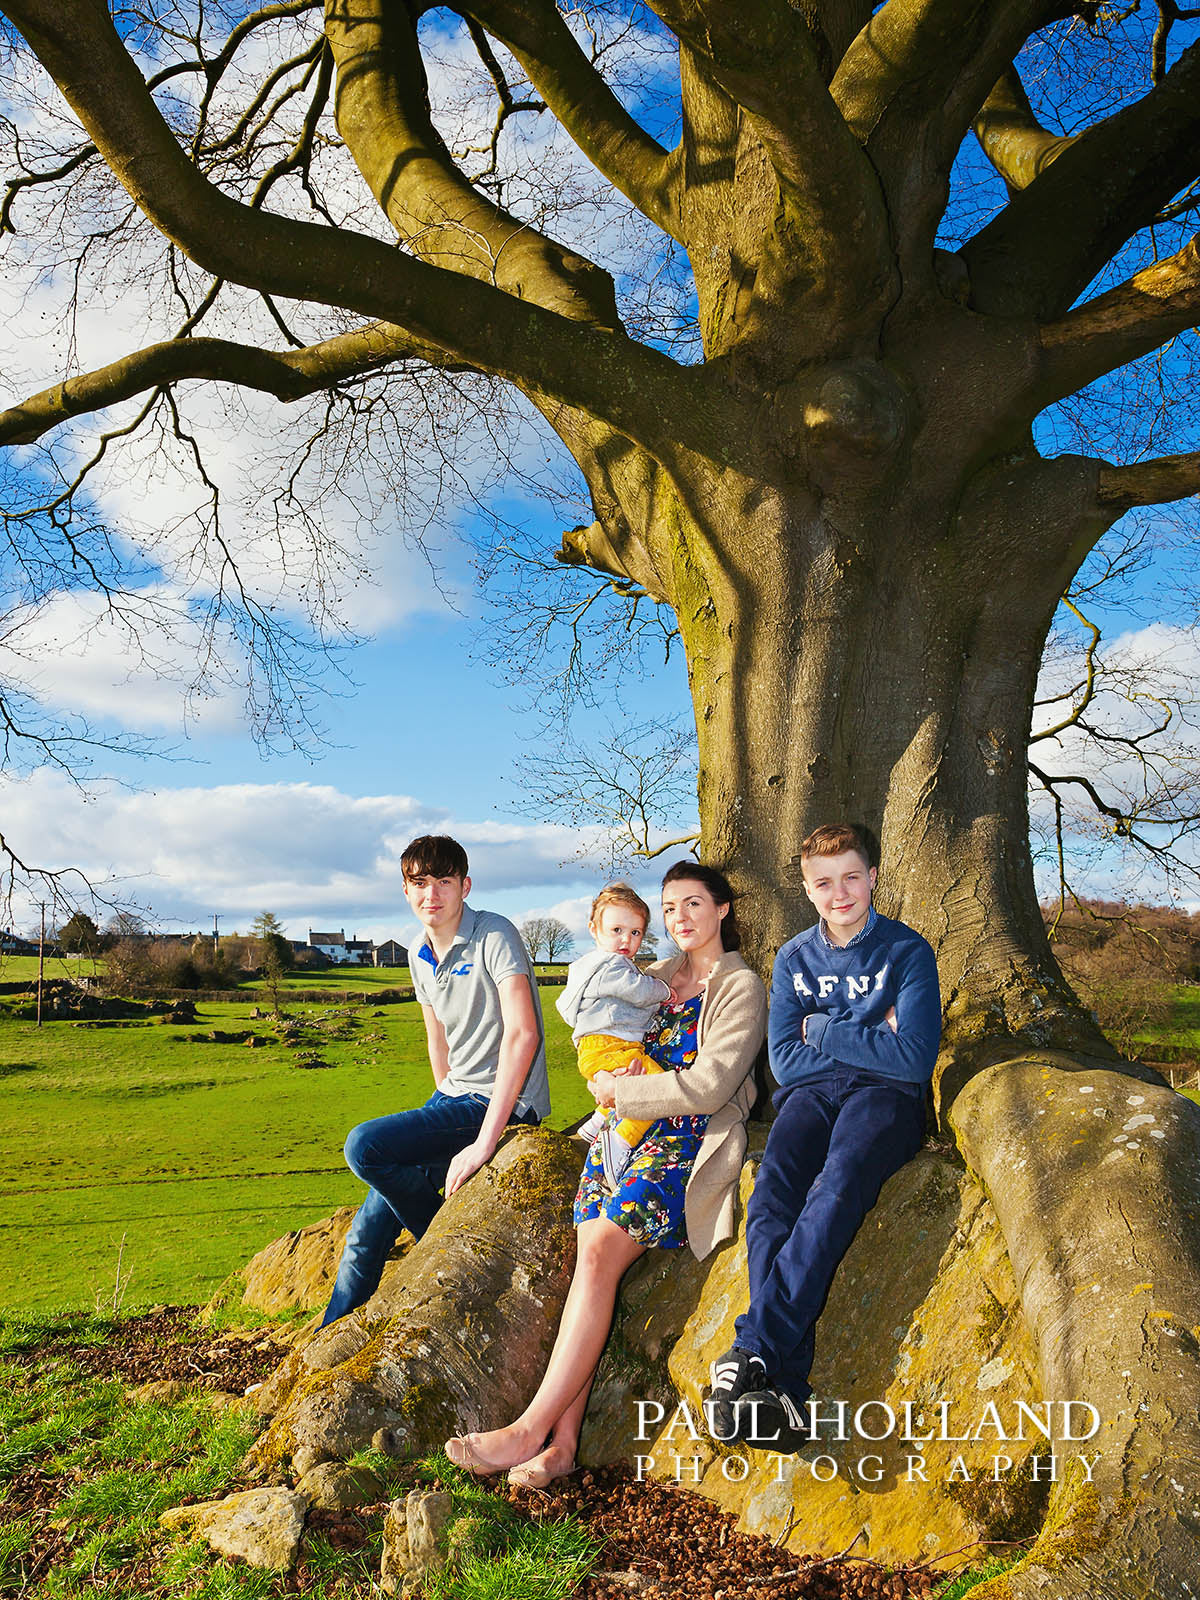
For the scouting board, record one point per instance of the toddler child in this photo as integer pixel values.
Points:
(608, 1005)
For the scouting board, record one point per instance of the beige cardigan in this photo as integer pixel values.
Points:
(719, 1084)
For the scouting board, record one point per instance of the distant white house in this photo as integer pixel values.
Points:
(354, 952)
(331, 945)
(341, 951)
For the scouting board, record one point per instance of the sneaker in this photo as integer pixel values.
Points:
(769, 1419)
(730, 1376)
(615, 1155)
(588, 1131)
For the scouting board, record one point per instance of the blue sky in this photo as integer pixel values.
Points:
(431, 736)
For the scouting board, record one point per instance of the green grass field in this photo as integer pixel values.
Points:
(1183, 1029)
(184, 1157)
(23, 969)
(193, 1153)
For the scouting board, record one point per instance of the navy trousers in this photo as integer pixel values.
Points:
(404, 1159)
(835, 1141)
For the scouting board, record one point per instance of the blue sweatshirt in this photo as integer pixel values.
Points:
(845, 991)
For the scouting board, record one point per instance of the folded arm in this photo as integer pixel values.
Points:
(905, 1047)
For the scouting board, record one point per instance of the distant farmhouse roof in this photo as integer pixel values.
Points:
(12, 944)
(356, 952)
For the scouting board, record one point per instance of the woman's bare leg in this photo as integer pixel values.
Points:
(605, 1252)
(558, 1458)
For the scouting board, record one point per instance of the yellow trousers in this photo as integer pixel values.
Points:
(600, 1052)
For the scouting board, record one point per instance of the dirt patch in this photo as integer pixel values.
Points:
(166, 1343)
(664, 1543)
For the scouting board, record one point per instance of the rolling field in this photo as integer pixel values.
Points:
(194, 1152)
(23, 969)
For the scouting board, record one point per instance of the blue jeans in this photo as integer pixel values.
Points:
(835, 1141)
(404, 1159)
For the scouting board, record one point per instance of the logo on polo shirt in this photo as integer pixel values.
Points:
(461, 970)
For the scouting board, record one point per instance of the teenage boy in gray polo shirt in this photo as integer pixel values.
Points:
(483, 1025)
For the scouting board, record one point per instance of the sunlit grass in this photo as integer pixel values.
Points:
(117, 1464)
(194, 1153)
(963, 1582)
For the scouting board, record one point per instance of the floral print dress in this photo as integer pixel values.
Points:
(648, 1203)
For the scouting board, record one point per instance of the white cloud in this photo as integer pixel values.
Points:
(77, 657)
(309, 852)
(1146, 691)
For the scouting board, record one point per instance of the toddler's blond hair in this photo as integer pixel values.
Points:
(619, 894)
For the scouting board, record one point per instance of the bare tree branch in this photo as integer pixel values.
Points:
(383, 115)
(509, 105)
(1125, 822)
(634, 784)
(473, 322)
(556, 65)
(1086, 690)
(215, 69)
(1012, 138)
(1169, 14)
(289, 375)
(910, 86)
(31, 179)
(1150, 483)
(240, 140)
(1140, 315)
(1039, 254)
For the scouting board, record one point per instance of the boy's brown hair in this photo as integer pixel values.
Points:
(434, 855)
(835, 839)
(620, 894)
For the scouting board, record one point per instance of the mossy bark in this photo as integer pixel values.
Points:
(459, 1336)
(864, 619)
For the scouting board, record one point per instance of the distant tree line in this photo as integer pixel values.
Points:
(1122, 958)
(136, 960)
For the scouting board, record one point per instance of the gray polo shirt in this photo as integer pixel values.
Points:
(463, 989)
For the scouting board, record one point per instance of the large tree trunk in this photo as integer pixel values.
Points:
(846, 661)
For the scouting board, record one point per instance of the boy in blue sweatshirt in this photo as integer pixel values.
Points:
(853, 1035)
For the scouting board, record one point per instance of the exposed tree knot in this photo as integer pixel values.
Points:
(856, 408)
(859, 407)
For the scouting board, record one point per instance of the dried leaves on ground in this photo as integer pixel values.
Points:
(659, 1542)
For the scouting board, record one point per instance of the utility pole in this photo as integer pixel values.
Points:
(41, 962)
(216, 919)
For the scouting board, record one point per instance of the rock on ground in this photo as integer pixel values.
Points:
(413, 1539)
(260, 1526)
(330, 1486)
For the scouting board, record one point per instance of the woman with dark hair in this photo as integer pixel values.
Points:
(679, 1186)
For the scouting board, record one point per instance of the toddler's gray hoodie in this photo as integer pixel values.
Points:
(606, 993)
